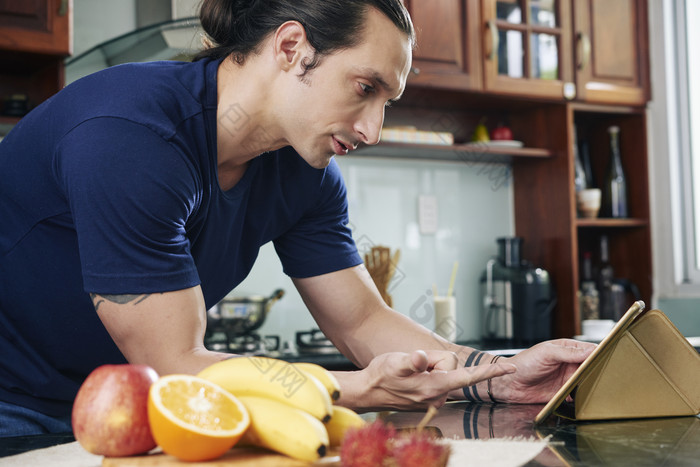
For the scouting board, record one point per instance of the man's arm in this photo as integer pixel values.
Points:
(163, 330)
(351, 312)
(404, 364)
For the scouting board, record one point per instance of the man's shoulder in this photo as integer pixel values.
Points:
(142, 88)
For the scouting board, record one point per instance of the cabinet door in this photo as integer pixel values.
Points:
(612, 51)
(527, 47)
(445, 55)
(41, 26)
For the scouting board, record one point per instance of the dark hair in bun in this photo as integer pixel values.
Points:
(237, 27)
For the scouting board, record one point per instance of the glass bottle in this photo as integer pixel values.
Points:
(580, 182)
(588, 298)
(585, 155)
(615, 183)
(606, 275)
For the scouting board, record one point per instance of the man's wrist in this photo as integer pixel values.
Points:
(489, 389)
(479, 392)
(353, 390)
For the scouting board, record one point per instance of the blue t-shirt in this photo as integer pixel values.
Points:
(111, 187)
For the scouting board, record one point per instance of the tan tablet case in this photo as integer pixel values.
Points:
(643, 368)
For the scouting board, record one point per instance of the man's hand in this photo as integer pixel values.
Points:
(413, 380)
(542, 370)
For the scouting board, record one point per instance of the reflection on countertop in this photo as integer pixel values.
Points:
(652, 442)
(647, 442)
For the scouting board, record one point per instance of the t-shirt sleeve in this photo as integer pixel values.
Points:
(321, 242)
(130, 193)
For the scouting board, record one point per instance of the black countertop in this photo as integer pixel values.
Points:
(645, 442)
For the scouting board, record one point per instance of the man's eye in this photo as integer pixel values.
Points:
(366, 88)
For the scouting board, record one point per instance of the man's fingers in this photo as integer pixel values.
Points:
(572, 351)
(419, 361)
(407, 364)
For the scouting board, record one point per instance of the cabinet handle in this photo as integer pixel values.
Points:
(493, 30)
(63, 8)
(583, 52)
(415, 70)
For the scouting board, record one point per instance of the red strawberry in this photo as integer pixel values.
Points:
(367, 446)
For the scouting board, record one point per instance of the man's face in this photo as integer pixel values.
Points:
(341, 102)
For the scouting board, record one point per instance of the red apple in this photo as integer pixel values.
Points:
(110, 415)
(501, 133)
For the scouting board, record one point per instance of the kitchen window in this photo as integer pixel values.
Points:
(674, 136)
(690, 125)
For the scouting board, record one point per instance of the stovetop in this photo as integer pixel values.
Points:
(312, 342)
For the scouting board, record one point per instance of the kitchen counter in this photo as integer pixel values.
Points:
(669, 441)
(652, 442)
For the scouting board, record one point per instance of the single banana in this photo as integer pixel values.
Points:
(324, 376)
(271, 378)
(341, 420)
(284, 429)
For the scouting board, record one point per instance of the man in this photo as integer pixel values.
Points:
(138, 197)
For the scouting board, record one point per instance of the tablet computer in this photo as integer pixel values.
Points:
(558, 402)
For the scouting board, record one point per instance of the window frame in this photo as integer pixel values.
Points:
(674, 221)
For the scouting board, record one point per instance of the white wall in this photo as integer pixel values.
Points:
(185, 8)
(474, 208)
(95, 21)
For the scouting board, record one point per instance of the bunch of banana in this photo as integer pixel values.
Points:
(290, 404)
(341, 421)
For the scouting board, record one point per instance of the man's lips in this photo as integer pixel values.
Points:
(341, 148)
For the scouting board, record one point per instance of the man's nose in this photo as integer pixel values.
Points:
(369, 126)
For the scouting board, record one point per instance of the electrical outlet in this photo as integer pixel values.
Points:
(428, 214)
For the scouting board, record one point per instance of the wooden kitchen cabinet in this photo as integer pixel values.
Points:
(582, 87)
(589, 50)
(545, 204)
(39, 26)
(612, 43)
(526, 48)
(446, 55)
(35, 38)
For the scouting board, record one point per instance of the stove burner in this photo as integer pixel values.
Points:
(243, 344)
(314, 342)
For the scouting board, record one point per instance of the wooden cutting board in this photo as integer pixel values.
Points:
(238, 457)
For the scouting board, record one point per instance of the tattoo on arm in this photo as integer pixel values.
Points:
(470, 392)
(135, 299)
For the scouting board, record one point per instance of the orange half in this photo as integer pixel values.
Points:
(194, 419)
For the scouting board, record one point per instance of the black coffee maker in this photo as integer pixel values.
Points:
(518, 298)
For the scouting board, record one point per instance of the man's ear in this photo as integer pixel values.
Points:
(291, 45)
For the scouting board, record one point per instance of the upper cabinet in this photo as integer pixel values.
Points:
(612, 51)
(586, 50)
(526, 48)
(35, 38)
(447, 53)
(40, 26)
